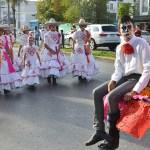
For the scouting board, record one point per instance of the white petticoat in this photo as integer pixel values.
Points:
(81, 67)
(8, 80)
(30, 76)
(18, 63)
(53, 65)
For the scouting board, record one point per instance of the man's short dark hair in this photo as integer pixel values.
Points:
(125, 19)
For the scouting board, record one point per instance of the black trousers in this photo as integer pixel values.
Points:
(125, 85)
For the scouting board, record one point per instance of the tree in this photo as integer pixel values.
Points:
(57, 10)
(43, 10)
(94, 10)
(125, 9)
(72, 14)
(72, 10)
(47, 9)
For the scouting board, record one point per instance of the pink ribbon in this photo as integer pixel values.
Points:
(57, 52)
(10, 66)
(6, 43)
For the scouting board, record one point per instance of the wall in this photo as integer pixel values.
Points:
(27, 12)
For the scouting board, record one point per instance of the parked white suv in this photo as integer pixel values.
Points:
(105, 35)
(145, 35)
(68, 38)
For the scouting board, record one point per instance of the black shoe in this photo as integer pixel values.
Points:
(79, 78)
(49, 80)
(32, 86)
(54, 81)
(107, 146)
(6, 92)
(82, 79)
(98, 136)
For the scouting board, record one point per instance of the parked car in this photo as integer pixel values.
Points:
(145, 35)
(68, 38)
(105, 35)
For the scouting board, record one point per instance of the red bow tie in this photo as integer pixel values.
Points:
(127, 49)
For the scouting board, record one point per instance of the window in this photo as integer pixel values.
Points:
(144, 7)
(145, 33)
(109, 29)
(95, 29)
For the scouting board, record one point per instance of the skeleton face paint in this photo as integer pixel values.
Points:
(126, 30)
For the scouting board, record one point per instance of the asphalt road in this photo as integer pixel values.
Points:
(55, 117)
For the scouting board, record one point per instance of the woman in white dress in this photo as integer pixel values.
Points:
(54, 63)
(82, 60)
(30, 73)
(9, 42)
(23, 41)
(9, 79)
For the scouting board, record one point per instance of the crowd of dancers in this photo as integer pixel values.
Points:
(29, 63)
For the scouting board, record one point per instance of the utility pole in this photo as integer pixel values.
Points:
(117, 10)
(18, 14)
(8, 12)
(0, 10)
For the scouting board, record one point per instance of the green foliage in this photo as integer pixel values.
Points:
(125, 9)
(47, 9)
(71, 10)
(43, 11)
(72, 14)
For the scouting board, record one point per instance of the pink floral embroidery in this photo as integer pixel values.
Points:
(54, 37)
(31, 51)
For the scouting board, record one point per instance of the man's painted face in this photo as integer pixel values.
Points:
(126, 30)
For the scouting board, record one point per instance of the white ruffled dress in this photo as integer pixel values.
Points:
(9, 78)
(53, 64)
(81, 64)
(31, 71)
(18, 60)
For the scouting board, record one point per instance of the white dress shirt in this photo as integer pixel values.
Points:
(138, 62)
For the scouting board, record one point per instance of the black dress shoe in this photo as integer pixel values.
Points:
(107, 146)
(49, 80)
(6, 92)
(54, 81)
(98, 136)
(79, 78)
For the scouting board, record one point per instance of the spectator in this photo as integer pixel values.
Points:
(62, 38)
(36, 35)
(73, 28)
(137, 31)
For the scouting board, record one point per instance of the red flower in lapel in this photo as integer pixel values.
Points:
(127, 49)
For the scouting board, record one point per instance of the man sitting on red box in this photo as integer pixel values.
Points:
(131, 76)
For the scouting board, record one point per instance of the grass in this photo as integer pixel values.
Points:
(101, 53)
(16, 45)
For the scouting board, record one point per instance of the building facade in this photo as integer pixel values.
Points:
(142, 14)
(25, 12)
